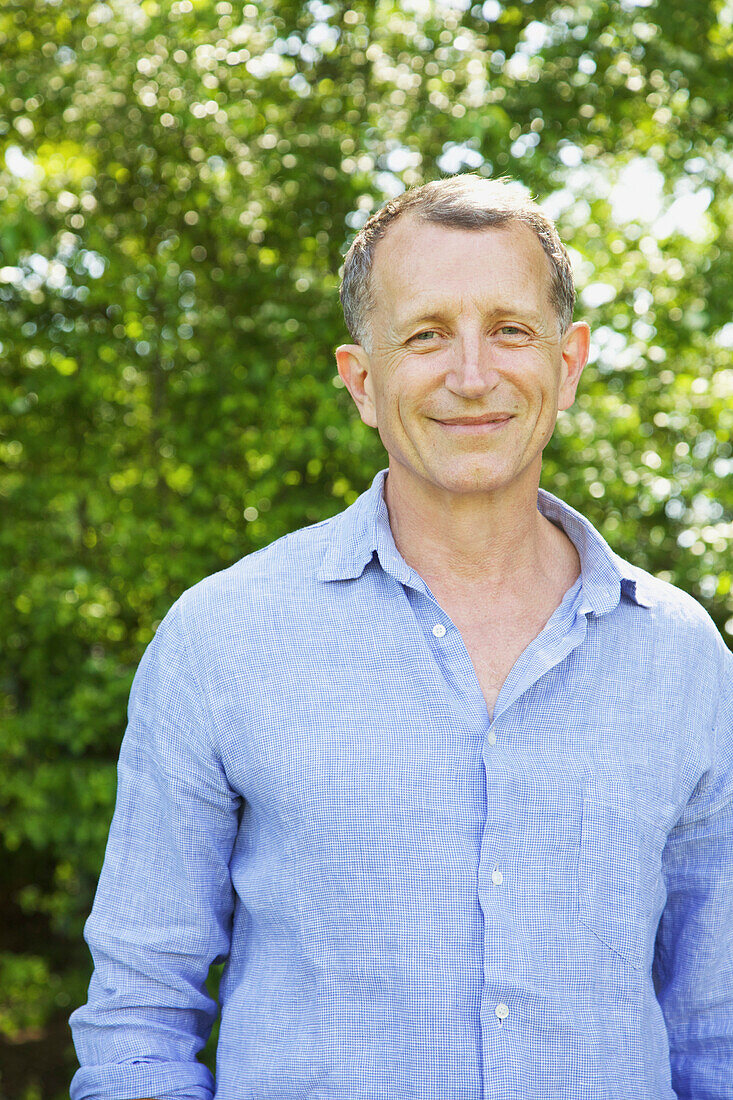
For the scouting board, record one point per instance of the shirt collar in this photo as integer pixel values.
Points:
(363, 530)
(606, 576)
(360, 532)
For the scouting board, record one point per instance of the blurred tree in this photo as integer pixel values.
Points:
(180, 183)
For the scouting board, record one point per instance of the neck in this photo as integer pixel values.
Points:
(495, 540)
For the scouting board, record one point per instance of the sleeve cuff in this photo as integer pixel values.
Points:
(140, 1080)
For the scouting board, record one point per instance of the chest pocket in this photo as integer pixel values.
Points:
(620, 886)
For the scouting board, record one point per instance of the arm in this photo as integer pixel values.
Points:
(693, 967)
(163, 908)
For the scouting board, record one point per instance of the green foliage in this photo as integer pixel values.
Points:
(179, 186)
(25, 983)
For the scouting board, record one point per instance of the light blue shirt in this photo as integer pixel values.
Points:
(417, 901)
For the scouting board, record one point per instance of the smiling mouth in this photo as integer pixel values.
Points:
(477, 421)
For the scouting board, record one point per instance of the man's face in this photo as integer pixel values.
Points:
(467, 368)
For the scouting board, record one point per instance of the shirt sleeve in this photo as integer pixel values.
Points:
(693, 969)
(163, 909)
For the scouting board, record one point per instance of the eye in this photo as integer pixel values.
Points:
(423, 337)
(512, 330)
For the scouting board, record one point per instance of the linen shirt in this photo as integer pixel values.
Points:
(415, 898)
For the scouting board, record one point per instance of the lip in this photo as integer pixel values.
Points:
(492, 420)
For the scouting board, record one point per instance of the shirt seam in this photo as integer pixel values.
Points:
(713, 770)
(201, 694)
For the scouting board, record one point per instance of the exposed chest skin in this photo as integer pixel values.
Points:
(494, 649)
(497, 629)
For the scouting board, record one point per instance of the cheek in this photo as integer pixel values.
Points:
(387, 413)
(399, 415)
(538, 383)
(396, 391)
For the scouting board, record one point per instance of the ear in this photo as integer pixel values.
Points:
(575, 348)
(355, 369)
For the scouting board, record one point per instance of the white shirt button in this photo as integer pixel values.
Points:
(438, 630)
(491, 737)
(497, 878)
(501, 1011)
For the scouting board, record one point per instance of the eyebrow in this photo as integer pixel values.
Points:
(437, 314)
(409, 321)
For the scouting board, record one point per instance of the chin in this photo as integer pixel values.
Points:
(471, 481)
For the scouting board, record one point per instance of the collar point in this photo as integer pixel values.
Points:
(630, 589)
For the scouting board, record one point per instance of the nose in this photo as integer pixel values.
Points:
(472, 373)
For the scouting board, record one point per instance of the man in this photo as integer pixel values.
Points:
(446, 782)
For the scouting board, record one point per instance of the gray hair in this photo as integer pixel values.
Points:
(464, 201)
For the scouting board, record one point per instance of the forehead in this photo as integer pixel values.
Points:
(419, 262)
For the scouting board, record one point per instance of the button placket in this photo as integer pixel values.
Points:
(447, 649)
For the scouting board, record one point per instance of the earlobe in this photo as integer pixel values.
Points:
(576, 346)
(354, 367)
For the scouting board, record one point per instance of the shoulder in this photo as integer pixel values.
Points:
(674, 615)
(651, 609)
(286, 566)
(277, 592)
(232, 621)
